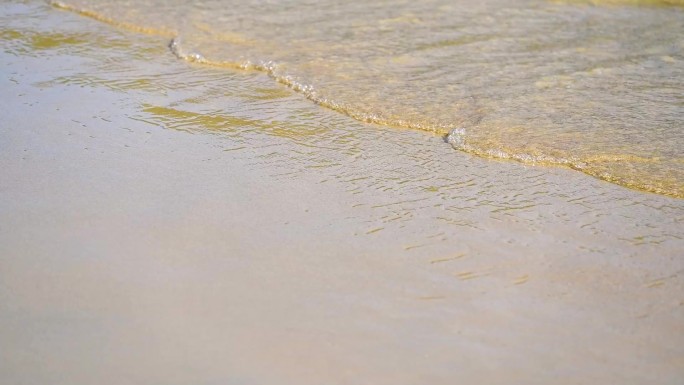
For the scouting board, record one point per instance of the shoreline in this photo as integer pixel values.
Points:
(169, 223)
(454, 136)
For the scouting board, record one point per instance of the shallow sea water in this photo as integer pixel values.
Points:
(172, 222)
(595, 86)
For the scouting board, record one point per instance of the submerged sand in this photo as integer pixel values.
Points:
(168, 223)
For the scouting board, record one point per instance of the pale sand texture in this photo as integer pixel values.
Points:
(279, 243)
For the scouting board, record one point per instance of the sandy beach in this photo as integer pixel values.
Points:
(163, 222)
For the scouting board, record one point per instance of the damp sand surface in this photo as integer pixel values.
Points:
(164, 222)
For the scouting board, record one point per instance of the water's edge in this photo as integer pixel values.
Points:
(455, 136)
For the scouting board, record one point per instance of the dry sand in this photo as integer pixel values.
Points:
(197, 226)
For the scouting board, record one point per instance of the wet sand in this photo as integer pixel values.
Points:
(168, 223)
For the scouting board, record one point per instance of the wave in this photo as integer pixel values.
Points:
(517, 125)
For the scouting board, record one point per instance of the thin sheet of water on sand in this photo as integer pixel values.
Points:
(164, 223)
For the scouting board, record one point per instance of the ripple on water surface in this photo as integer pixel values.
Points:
(593, 85)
